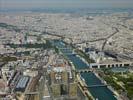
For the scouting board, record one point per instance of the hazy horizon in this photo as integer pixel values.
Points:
(64, 4)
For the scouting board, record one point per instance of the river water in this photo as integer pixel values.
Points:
(99, 92)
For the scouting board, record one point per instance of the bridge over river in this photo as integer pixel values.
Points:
(94, 85)
(84, 70)
(102, 85)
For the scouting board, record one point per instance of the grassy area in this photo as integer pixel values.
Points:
(120, 82)
(35, 45)
(10, 27)
(112, 82)
(128, 84)
(8, 59)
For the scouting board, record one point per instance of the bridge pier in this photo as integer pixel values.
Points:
(99, 66)
(84, 70)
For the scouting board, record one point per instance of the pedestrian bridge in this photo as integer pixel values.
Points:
(101, 85)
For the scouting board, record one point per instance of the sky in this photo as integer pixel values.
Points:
(29, 4)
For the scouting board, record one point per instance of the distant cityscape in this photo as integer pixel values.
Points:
(78, 11)
(66, 55)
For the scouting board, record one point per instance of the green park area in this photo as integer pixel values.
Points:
(9, 27)
(121, 82)
(7, 59)
(29, 45)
